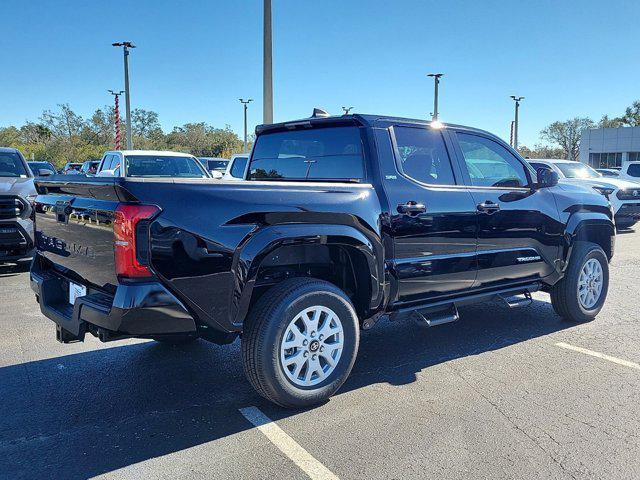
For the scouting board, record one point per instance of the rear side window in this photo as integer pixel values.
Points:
(490, 164)
(332, 154)
(634, 170)
(423, 155)
(237, 169)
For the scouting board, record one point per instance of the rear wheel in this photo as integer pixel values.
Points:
(300, 342)
(580, 295)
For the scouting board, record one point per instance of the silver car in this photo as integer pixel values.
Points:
(17, 194)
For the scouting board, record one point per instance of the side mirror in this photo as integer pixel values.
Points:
(547, 178)
(216, 174)
(44, 172)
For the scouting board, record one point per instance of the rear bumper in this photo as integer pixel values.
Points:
(137, 310)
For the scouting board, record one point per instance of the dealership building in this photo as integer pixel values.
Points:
(610, 147)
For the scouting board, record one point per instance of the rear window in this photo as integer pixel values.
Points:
(161, 166)
(332, 154)
(634, 170)
(11, 165)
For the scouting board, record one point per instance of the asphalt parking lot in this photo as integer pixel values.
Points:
(492, 395)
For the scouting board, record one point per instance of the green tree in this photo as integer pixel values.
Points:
(631, 115)
(541, 151)
(606, 122)
(566, 135)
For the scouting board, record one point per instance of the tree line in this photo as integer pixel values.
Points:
(563, 138)
(62, 136)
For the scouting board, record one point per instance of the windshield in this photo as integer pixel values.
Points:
(219, 165)
(163, 166)
(11, 165)
(577, 170)
(43, 165)
(315, 154)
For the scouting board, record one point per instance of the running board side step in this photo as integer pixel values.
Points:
(438, 317)
(515, 301)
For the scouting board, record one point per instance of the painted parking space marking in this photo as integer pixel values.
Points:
(287, 445)
(603, 356)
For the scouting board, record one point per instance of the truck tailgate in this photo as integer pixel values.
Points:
(75, 231)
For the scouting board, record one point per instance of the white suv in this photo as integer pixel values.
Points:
(630, 171)
(624, 195)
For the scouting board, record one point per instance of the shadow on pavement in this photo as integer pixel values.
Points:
(81, 415)
(13, 269)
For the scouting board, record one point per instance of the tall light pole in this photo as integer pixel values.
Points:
(117, 115)
(436, 82)
(515, 121)
(125, 47)
(267, 72)
(245, 103)
(346, 110)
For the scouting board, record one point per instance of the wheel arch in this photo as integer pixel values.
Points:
(590, 227)
(276, 253)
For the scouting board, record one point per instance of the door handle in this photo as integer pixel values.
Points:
(488, 207)
(412, 208)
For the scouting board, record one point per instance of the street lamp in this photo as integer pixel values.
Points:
(515, 122)
(267, 68)
(346, 110)
(436, 82)
(125, 47)
(245, 103)
(117, 115)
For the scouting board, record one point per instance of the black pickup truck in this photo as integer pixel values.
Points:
(340, 222)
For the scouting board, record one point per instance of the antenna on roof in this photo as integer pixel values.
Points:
(319, 113)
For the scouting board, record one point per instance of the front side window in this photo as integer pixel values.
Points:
(11, 165)
(490, 164)
(423, 155)
(237, 169)
(162, 166)
(329, 154)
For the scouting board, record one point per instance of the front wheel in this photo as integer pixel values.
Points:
(300, 342)
(580, 295)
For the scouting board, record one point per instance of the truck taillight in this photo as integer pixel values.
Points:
(127, 216)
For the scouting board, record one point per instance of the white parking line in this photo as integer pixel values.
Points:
(609, 358)
(287, 445)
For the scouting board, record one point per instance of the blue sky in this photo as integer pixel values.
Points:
(195, 59)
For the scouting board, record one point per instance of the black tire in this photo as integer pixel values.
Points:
(176, 339)
(564, 294)
(265, 328)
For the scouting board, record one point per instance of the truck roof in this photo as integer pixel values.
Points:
(366, 120)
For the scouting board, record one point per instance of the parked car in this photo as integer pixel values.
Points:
(17, 192)
(72, 168)
(236, 168)
(609, 172)
(150, 163)
(630, 171)
(42, 168)
(90, 167)
(340, 222)
(623, 194)
(215, 166)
